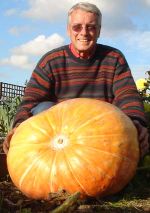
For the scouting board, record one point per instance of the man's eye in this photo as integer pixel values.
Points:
(77, 27)
(91, 27)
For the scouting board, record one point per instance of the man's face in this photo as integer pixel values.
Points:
(83, 31)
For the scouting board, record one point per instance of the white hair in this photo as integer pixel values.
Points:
(87, 7)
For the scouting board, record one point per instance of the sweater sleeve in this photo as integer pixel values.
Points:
(39, 89)
(126, 96)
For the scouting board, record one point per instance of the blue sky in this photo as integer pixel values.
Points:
(30, 28)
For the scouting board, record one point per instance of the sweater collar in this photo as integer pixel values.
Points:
(76, 54)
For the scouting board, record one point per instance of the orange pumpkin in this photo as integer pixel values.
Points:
(81, 145)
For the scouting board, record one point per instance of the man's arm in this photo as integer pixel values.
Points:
(127, 98)
(37, 91)
(143, 138)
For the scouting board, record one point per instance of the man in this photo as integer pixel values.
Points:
(83, 69)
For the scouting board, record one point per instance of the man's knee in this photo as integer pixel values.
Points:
(42, 106)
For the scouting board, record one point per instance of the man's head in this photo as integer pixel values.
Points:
(84, 23)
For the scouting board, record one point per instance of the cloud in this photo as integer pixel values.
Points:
(24, 55)
(19, 61)
(45, 9)
(148, 2)
(39, 45)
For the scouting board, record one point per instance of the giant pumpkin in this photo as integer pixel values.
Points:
(81, 145)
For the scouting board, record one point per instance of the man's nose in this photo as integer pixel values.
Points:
(84, 30)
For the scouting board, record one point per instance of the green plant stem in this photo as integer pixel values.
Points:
(69, 205)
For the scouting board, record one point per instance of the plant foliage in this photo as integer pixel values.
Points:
(143, 86)
(7, 112)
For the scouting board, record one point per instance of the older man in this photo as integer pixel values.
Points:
(83, 69)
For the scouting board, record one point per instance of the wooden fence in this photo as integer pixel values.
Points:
(10, 91)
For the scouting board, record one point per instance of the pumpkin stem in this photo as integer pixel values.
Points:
(59, 142)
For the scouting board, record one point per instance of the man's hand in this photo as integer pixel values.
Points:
(143, 137)
(6, 142)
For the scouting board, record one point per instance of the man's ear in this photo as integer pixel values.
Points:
(98, 33)
(68, 30)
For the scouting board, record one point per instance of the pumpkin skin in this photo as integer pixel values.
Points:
(80, 144)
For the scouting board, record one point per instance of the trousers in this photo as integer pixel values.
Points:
(41, 107)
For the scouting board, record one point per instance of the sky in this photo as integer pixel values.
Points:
(30, 28)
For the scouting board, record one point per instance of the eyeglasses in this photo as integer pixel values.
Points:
(79, 27)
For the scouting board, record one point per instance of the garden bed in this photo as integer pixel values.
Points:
(130, 200)
(134, 198)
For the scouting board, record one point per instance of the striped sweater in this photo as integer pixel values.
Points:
(59, 76)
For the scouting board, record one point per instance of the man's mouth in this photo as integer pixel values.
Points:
(83, 40)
